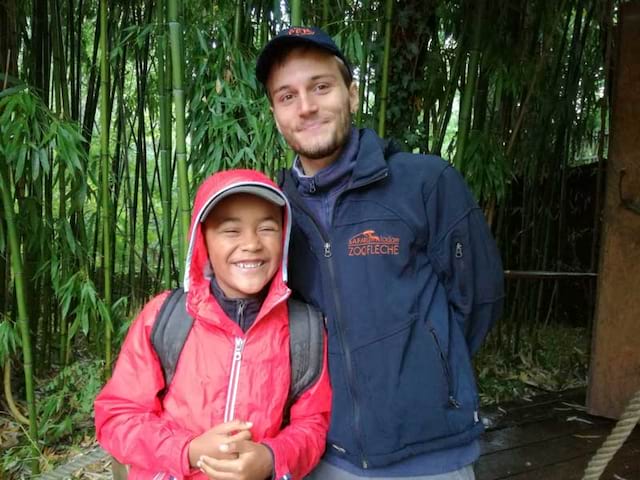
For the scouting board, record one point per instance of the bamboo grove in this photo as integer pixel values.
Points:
(112, 111)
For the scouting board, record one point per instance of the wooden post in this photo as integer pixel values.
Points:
(615, 355)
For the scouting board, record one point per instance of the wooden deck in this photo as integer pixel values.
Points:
(550, 438)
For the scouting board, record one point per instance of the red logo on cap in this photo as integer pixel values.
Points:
(301, 31)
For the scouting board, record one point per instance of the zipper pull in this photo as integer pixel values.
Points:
(240, 314)
(458, 250)
(338, 448)
(327, 249)
(453, 402)
(237, 351)
(312, 187)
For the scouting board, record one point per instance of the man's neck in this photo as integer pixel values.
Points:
(311, 166)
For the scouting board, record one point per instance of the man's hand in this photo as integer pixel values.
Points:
(254, 462)
(208, 444)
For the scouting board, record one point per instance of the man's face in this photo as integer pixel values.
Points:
(312, 106)
(243, 235)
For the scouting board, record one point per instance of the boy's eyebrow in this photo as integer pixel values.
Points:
(315, 78)
(239, 220)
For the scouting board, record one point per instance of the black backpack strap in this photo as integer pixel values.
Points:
(306, 342)
(170, 331)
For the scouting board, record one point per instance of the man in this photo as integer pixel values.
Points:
(395, 251)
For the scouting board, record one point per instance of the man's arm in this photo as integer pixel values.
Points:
(465, 256)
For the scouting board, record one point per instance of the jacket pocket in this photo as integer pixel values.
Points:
(402, 391)
(446, 370)
(459, 263)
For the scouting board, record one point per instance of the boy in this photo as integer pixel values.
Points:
(221, 416)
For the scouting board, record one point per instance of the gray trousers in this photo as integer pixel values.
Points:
(326, 471)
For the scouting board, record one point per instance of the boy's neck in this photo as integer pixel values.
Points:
(243, 311)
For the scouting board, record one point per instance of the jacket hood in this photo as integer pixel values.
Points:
(197, 267)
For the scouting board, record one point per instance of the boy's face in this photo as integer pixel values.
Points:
(312, 106)
(243, 235)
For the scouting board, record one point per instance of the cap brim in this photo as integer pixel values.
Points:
(257, 190)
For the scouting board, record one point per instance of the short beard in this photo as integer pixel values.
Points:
(336, 142)
(322, 151)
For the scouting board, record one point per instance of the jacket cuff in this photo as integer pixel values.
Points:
(273, 462)
(185, 467)
(280, 467)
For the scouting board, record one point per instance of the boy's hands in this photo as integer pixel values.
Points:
(253, 461)
(208, 444)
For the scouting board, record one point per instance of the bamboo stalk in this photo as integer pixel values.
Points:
(177, 63)
(296, 12)
(23, 319)
(237, 24)
(164, 84)
(464, 122)
(382, 112)
(105, 212)
(364, 63)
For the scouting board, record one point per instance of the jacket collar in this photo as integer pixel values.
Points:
(370, 162)
(338, 173)
(243, 311)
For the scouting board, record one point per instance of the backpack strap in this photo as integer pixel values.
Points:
(306, 342)
(170, 331)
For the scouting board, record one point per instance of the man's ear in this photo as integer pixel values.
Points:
(354, 98)
(276, 121)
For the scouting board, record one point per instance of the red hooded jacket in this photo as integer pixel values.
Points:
(152, 435)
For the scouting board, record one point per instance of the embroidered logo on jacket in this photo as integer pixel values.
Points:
(369, 243)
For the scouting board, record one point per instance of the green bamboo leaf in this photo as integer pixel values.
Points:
(73, 328)
(21, 161)
(68, 234)
(357, 44)
(12, 90)
(9, 338)
(3, 245)
(105, 316)
(203, 43)
(242, 136)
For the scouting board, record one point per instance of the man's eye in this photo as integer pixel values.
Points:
(321, 87)
(286, 98)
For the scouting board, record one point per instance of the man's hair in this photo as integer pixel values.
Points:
(280, 56)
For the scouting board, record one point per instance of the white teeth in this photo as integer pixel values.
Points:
(249, 265)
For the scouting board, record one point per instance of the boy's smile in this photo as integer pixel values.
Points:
(243, 235)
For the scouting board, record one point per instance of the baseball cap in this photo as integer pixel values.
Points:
(312, 36)
(266, 193)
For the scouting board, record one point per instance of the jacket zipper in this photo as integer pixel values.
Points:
(234, 376)
(336, 300)
(447, 371)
